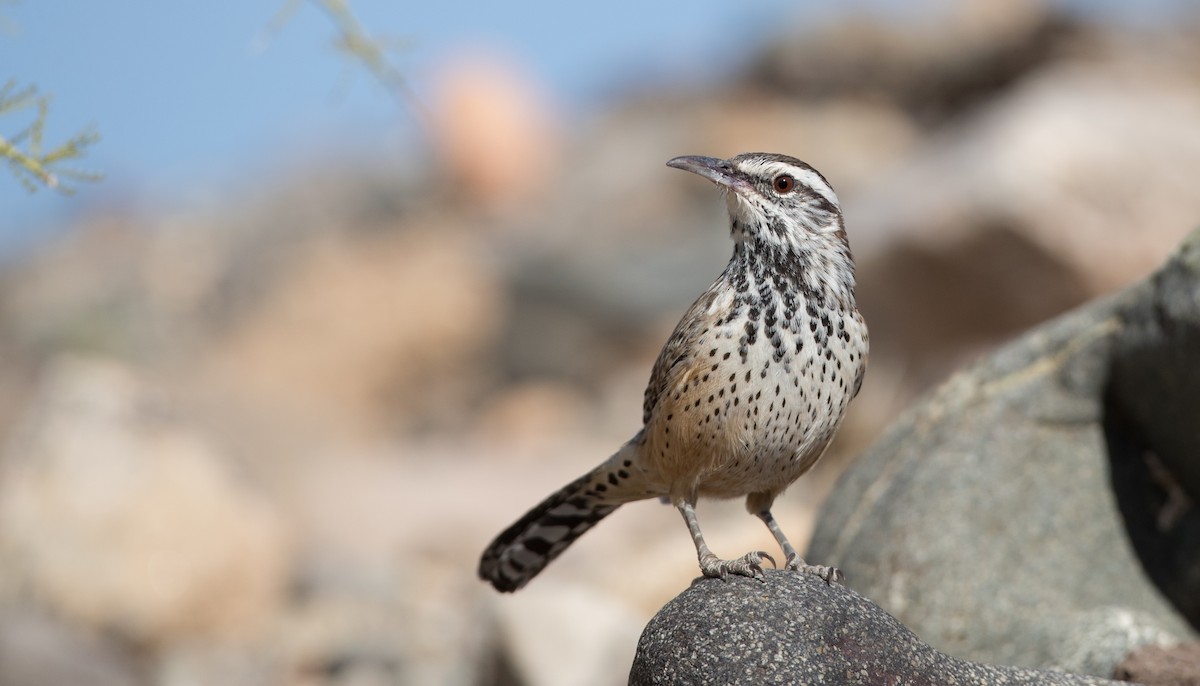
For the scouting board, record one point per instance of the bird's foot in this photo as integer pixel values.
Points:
(749, 565)
(831, 575)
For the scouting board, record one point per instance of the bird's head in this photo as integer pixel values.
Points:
(774, 199)
(785, 221)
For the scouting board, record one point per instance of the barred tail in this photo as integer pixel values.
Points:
(525, 548)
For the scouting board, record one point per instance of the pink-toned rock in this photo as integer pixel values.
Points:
(493, 129)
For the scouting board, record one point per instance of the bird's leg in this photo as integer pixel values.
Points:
(749, 564)
(831, 575)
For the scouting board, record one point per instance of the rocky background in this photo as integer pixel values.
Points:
(263, 441)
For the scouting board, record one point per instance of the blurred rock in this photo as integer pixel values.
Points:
(1080, 158)
(956, 54)
(118, 515)
(82, 291)
(794, 628)
(935, 305)
(384, 586)
(546, 642)
(196, 663)
(848, 139)
(349, 626)
(1065, 187)
(419, 619)
(1158, 666)
(37, 650)
(1011, 517)
(368, 335)
(530, 417)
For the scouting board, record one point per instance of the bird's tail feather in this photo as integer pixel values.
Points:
(524, 549)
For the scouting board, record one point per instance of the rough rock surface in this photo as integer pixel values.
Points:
(795, 628)
(1039, 508)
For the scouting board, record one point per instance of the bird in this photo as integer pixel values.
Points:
(748, 390)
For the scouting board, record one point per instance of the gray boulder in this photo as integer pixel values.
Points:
(794, 628)
(1039, 508)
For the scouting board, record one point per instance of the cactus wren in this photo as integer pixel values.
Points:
(749, 389)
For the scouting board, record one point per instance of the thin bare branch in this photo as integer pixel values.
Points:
(23, 151)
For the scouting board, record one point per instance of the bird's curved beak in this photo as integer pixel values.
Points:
(718, 171)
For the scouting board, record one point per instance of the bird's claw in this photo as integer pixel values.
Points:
(749, 565)
(831, 575)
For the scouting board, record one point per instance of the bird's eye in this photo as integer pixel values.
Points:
(784, 183)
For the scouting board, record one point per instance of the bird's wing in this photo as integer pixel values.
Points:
(676, 362)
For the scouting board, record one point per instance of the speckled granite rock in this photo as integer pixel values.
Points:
(796, 629)
(1039, 508)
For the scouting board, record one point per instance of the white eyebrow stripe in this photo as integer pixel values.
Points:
(806, 177)
(814, 181)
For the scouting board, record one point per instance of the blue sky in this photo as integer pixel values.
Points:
(187, 105)
(184, 100)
